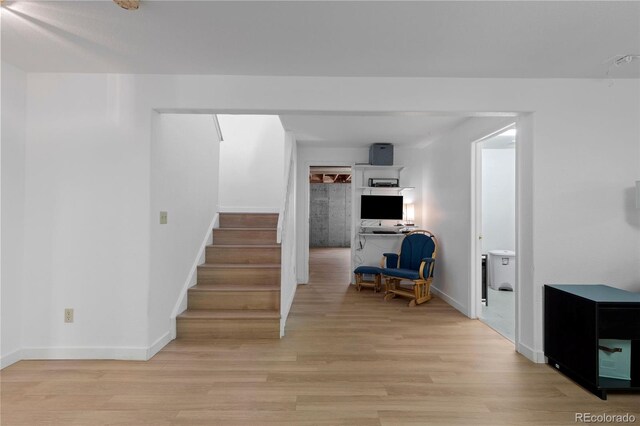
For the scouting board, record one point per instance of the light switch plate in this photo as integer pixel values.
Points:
(163, 218)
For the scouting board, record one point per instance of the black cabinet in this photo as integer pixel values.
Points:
(576, 317)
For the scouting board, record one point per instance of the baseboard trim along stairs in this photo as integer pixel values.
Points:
(237, 294)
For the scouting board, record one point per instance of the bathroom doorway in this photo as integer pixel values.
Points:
(495, 230)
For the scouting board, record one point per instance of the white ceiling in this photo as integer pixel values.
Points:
(363, 130)
(306, 38)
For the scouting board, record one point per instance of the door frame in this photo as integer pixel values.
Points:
(306, 188)
(475, 297)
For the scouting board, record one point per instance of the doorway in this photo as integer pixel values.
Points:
(495, 230)
(330, 208)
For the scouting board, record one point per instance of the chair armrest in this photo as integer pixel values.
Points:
(391, 260)
(425, 264)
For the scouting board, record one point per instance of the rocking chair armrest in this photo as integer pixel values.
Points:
(424, 264)
(391, 260)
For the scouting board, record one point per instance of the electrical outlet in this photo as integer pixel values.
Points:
(163, 218)
(68, 315)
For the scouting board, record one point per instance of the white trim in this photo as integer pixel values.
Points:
(476, 219)
(160, 343)
(216, 123)
(126, 353)
(130, 353)
(248, 209)
(450, 300)
(10, 358)
(181, 303)
(98, 352)
(476, 228)
(533, 355)
(306, 194)
(285, 309)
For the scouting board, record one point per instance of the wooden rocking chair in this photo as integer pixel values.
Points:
(415, 263)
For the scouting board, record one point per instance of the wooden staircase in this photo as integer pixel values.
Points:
(238, 289)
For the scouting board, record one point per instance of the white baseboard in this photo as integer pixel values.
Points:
(248, 209)
(160, 343)
(284, 313)
(80, 352)
(533, 355)
(58, 352)
(10, 358)
(450, 300)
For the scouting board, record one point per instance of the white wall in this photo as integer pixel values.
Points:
(86, 217)
(412, 175)
(447, 206)
(184, 182)
(14, 96)
(88, 170)
(251, 163)
(498, 199)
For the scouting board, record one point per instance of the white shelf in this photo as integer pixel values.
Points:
(387, 188)
(381, 235)
(372, 167)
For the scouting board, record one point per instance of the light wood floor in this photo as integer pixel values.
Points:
(347, 358)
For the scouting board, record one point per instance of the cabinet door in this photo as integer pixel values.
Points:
(570, 333)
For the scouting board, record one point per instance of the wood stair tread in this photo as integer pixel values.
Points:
(236, 287)
(230, 314)
(240, 265)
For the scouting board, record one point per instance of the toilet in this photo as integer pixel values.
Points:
(502, 269)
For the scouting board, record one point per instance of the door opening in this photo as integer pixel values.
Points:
(330, 208)
(494, 239)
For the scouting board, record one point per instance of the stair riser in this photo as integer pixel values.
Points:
(224, 328)
(233, 236)
(208, 276)
(248, 220)
(234, 300)
(250, 255)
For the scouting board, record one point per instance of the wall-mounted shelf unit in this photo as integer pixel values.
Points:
(368, 243)
(372, 167)
(370, 230)
(369, 171)
(386, 188)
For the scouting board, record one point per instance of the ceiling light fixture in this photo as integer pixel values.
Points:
(128, 4)
(626, 59)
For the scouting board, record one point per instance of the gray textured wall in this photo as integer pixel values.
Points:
(330, 215)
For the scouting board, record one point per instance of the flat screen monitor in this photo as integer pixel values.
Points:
(381, 207)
